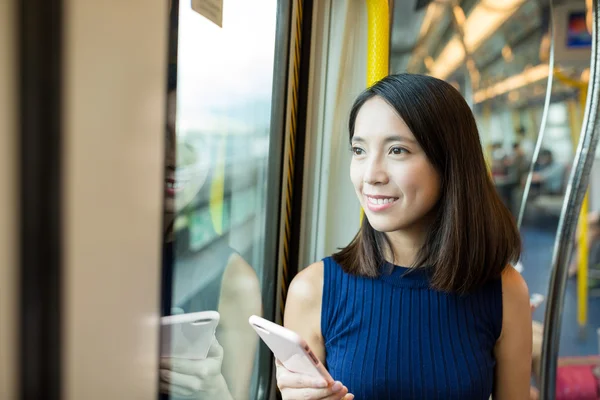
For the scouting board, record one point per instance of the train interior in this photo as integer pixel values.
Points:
(251, 183)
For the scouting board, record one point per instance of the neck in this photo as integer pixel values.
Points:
(405, 245)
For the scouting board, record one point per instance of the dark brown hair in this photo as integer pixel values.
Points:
(473, 235)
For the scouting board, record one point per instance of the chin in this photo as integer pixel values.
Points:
(389, 223)
(383, 226)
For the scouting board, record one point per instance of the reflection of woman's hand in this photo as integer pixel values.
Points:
(195, 379)
(298, 386)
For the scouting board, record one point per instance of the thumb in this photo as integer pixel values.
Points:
(216, 350)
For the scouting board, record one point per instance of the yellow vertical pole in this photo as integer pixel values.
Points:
(378, 40)
(378, 44)
(217, 187)
(582, 232)
(582, 259)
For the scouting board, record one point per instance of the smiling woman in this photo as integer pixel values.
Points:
(419, 146)
(422, 303)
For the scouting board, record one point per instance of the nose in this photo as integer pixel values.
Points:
(375, 171)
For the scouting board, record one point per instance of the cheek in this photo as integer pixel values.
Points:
(419, 180)
(356, 176)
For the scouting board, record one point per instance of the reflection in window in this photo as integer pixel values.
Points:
(219, 114)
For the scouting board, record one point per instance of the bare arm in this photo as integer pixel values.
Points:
(513, 348)
(240, 298)
(303, 307)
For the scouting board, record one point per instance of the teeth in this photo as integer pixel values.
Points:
(387, 200)
(174, 185)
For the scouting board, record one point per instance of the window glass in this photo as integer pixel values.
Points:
(216, 178)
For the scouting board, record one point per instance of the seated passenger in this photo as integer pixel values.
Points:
(233, 290)
(548, 176)
(423, 303)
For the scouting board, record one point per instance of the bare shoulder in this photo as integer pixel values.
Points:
(515, 300)
(514, 288)
(240, 279)
(306, 288)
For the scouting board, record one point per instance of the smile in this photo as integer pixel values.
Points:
(173, 186)
(380, 203)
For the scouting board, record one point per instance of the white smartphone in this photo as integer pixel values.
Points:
(189, 335)
(289, 348)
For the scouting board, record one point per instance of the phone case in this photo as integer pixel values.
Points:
(189, 335)
(289, 348)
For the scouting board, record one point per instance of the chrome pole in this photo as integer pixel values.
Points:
(543, 123)
(576, 189)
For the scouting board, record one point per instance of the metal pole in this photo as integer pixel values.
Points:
(542, 131)
(578, 183)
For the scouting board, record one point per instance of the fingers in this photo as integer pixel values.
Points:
(175, 390)
(335, 392)
(340, 396)
(181, 365)
(288, 379)
(299, 386)
(175, 379)
(200, 368)
(216, 350)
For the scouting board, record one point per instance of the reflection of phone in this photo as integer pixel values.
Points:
(289, 348)
(536, 299)
(188, 335)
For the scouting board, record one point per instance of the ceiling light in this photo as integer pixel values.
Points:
(480, 25)
(527, 77)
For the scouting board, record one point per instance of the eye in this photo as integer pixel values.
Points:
(357, 151)
(398, 150)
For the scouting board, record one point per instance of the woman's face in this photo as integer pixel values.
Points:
(395, 183)
(186, 166)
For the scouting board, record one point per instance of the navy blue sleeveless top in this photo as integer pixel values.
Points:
(394, 337)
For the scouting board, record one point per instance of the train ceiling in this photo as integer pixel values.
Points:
(504, 39)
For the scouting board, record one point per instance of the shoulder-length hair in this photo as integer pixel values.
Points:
(473, 235)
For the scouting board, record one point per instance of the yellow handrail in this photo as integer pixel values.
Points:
(582, 232)
(378, 40)
(378, 44)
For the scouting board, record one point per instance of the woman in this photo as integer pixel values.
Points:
(232, 289)
(423, 302)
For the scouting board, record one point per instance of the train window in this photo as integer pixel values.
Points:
(219, 110)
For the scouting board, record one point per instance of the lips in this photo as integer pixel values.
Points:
(379, 202)
(173, 186)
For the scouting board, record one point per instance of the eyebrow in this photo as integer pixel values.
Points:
(388, 139)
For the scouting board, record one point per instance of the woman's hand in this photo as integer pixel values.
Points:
(294, 386)
(195, 379)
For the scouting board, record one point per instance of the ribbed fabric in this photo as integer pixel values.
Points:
(395, 338)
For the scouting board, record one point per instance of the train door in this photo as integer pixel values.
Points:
(153, 136)
(113, 118)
